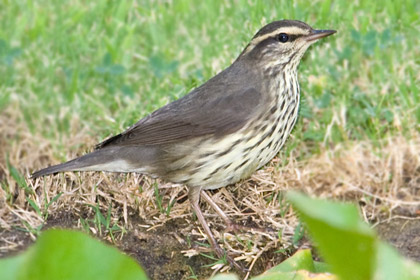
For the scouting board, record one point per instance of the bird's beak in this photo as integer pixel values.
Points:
(318, 34)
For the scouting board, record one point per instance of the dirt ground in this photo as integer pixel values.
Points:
(162, 251)
(404, 235)
(159, 251)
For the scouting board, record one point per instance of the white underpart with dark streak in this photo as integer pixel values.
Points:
(249, 152)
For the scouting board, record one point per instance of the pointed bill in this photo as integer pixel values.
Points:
(318, 34)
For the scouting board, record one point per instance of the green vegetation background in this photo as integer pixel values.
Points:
(109, 63)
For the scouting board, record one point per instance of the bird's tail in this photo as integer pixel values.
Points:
(99, 160)
(67, 166)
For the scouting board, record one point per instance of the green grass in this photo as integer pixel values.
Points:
(109, 63)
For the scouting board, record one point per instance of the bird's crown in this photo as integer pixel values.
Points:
(283, 40)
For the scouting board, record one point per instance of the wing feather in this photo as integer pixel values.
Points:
(214, 108)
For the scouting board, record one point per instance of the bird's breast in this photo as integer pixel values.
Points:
(214, 162)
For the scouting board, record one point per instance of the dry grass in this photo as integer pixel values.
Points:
(383, 179)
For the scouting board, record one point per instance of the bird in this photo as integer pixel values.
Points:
(222, 131)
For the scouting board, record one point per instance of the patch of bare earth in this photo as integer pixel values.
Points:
(157, 226)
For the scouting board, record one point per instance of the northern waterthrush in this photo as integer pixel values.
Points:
(222, 131)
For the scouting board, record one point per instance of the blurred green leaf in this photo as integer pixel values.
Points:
(342, 237)
(298, 266)
(63, 254)
(223, 276)
(322, 267)
(390, 265)
(348, 244)
(302, 259)
(11, 267)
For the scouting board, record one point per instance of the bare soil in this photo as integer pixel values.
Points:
(404, 235)
(159, 250)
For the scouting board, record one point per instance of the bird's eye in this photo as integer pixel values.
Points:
(283, 37)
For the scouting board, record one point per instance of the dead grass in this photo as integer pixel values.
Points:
(383, 179)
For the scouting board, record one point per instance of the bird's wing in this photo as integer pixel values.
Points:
(196, 114)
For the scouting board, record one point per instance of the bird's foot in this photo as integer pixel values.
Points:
(221, 254)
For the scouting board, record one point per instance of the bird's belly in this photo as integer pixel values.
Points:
(216, 164)
(217, 170)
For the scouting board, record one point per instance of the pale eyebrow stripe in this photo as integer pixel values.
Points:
(259, 39)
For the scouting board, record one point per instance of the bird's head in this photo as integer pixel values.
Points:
(282, 43)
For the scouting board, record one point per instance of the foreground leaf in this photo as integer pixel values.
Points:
(295, 275)
(343, 239)
(63, 254)
(391, 266)
(302, 259)
(224, 276)
(300, 266)
(348, 244)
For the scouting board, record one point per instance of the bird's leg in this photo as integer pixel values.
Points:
(216, 208)
(230, 225)
(194, 197)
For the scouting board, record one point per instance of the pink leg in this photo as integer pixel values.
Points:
(194, 197)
